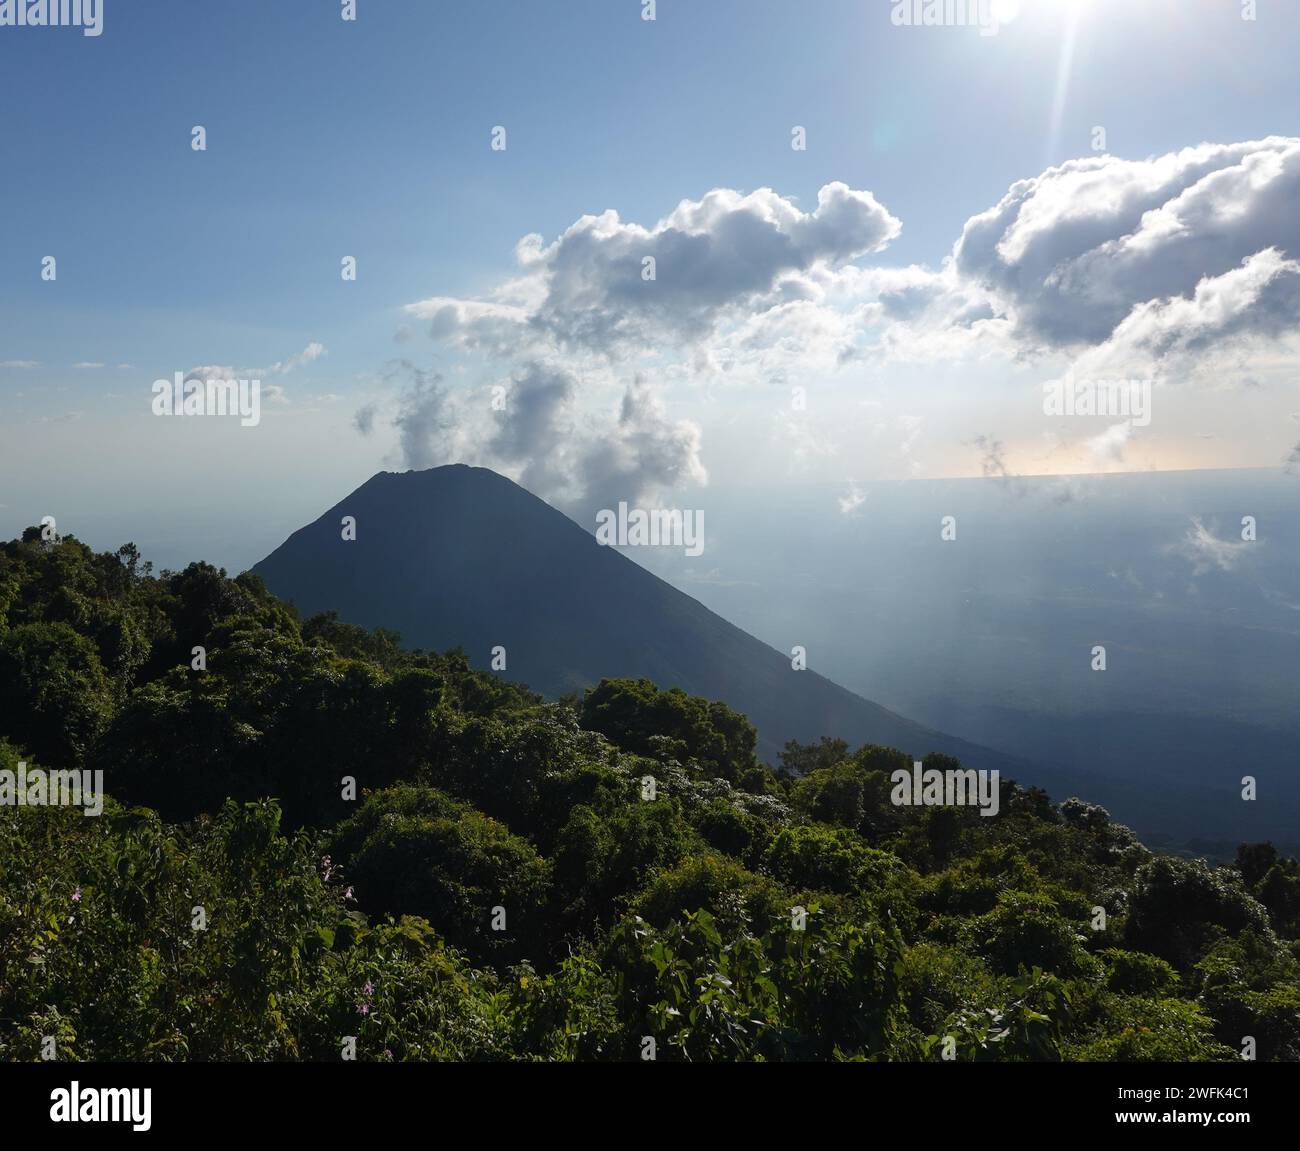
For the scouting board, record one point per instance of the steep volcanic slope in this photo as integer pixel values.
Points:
(461, 556)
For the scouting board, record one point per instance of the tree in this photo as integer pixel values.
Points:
(632, 713)
(1180, 906)
(813, 857)
(414, 850)
(57, 699)
(1254, 861)
(804, 758)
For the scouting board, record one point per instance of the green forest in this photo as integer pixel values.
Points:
(317, 845)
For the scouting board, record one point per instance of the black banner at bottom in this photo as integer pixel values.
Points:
(342, 1099)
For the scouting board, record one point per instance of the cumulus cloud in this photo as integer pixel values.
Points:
(591, 289)
(423, 421)
(473, 325)
(1191, 336)
(538, 435)
(540, 438)
(535, 433)
(606, 291)
(1109, 445)
(1072, 252)
(537, 413)
(1175, 268)
(648, 450)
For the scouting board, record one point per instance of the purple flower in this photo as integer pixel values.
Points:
(348, 895)
(368, 990)
(76, 895)
(363, 1009)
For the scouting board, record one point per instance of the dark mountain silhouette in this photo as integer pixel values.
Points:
(461, 556)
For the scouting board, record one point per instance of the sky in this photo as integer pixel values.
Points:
(878, 250)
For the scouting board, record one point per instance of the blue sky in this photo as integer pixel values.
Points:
(371, 139)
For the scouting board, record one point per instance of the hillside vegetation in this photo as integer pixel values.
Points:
(313, 835)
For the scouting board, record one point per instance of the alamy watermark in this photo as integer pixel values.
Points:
(40, 788)
(214, 396)
(930, 787)
(77, 1104)
(88, 15)
(651, 527)
(1126, 399)
(986, 15)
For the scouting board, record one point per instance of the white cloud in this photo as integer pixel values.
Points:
(423, 421)
(728, 253)
(475, 325)
(541, 438)
(1189, 336)
(852, 500)
(1072, 252)
(1182, 269)
(1109, 445)
(310, 354)
(219, 372)
(273, 393)
(739, 279)
(1206, 552)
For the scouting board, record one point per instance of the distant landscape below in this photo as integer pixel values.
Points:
(987, 637)
(990, 637)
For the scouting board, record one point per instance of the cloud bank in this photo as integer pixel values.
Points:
(1180, 267)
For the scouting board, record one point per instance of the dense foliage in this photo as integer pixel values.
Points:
(313, 835)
